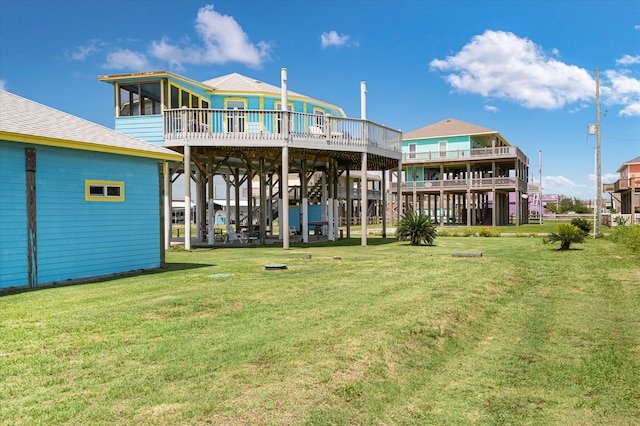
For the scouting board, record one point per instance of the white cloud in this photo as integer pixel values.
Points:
(491, 108)
(80, 53)
(223, 40)
(3, 84)
(623, 90)
(332, 38)
(501, 64)
(628, 60)
(637, 27)
(567, 187)
(606, 178)
(125, 59)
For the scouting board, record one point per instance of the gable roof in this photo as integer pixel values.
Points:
(23, 120)
(627, 163)
(235, 82)
(449, 127)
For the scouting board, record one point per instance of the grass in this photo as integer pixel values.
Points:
(387, 334)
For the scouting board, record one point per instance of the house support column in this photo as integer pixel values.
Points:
(264, 204)
(364, 200)
(187, 198)
(384, 203)
(304, 228)
(284, 179)
(349, 203)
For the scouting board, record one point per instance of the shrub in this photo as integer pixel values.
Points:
(582, 224)
(629, 236)
(469, 232)
(488, 232)
(417, 228)
(566, 234)
(620, 220)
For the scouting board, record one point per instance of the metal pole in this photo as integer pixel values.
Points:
(598, 159)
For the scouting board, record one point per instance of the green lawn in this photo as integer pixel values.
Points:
(387, 334)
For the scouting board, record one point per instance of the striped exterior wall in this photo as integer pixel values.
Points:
(13, 215)
(149, 128)
(79, 239)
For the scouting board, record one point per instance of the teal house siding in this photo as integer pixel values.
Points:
(55, 230)
(13, 215)
(96, 237)
(149, 128)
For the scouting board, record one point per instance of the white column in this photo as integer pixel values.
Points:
(227, 211)
(284, 223)
(364, 201)
(284, 179)
(187, 198)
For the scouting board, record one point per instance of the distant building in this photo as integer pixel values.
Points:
(78, 200)
(625, 192)
(463, 174)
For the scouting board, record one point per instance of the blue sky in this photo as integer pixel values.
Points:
(523, 68)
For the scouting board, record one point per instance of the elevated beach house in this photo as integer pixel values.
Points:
(625, 192)
(464, 174)
(77, 200)
(292, 146)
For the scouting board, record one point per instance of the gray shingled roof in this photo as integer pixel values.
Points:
(449, 127)
(25, 117)
(235, 82)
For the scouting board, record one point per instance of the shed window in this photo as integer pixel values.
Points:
(97, 190)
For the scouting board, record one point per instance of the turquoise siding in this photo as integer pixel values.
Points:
(432, 145)
(13, 215)
(81, 239)
(149, 128)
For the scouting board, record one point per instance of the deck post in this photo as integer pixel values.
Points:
(384, 203)
(364, 201)
(284, 178)
(304, 207)
(349, 203)
(187, 197)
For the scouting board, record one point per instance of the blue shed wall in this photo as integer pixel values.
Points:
(13, 215)
(149, 128)
(80, 239)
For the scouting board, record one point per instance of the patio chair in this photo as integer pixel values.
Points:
(235, 236)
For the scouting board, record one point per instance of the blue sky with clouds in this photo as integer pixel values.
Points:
(523, 68)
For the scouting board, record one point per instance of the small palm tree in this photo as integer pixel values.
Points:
(566, 234)
(417, 228)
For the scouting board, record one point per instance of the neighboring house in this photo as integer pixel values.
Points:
(463, 174)
(77, 200)
(235, 127)
(625, 192)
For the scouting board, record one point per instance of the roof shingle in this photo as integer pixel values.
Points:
(25, 117)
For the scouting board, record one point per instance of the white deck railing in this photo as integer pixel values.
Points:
(465, 154)
(479, 183)
(248, 125)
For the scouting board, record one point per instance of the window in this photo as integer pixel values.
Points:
(412, 150)
(236, 119)
(102, 190)
(140, 99)
(319, 116)
(442, 147)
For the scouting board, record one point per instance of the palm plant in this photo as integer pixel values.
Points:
(566, 234)
(417, 228)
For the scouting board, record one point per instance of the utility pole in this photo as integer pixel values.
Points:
(540, 191)
(598, 159)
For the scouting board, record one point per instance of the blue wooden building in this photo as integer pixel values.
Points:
(287, 149)
(77, 200)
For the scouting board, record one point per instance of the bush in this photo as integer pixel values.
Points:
(469, 232)
(565, 234)
(417, 228)
(488, 232)
(629, 236)
(582, 224)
